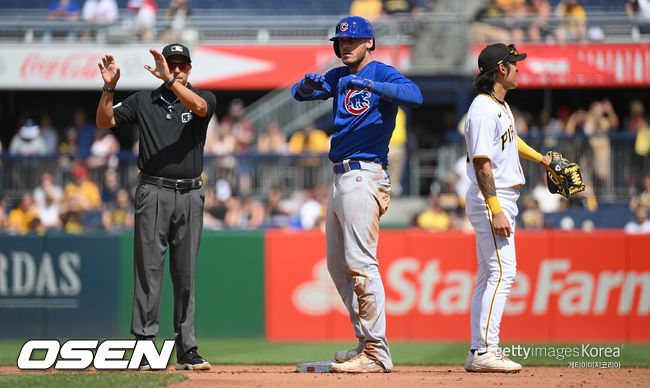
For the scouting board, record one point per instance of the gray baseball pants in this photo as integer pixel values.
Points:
(166, 216)
(357, 200)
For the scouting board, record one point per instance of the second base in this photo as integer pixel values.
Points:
(323, 366)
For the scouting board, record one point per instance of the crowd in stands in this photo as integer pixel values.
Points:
(82, 204)
(139, 17)
(550, 21)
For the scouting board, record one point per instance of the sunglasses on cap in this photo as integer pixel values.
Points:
(513, 51)
(182, 66)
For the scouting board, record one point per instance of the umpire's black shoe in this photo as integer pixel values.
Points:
(192, 361)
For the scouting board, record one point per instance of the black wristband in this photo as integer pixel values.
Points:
(107, 89)
(170, 82)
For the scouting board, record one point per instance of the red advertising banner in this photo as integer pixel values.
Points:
(569, 287)
(582, 65)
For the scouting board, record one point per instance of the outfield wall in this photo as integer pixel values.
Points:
(570, 287)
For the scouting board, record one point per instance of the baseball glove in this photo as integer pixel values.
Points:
(564, 177)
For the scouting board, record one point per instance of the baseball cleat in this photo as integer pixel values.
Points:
(468, 361)
(359, 364)
(192, 361)
(345, 355)
(492, 361)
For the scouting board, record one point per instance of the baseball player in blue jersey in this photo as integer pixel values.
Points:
(366, 95)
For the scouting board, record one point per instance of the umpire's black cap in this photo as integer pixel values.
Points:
(495, 54)
(176, 49)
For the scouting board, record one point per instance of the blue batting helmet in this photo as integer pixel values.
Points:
(353, 27)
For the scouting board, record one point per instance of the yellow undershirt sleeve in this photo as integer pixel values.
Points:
(526, 152)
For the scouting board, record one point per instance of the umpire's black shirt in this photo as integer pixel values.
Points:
(171, 136)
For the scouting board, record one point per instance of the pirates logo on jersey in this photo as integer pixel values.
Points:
(357, 101)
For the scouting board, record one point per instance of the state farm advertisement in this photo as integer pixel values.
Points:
(231, 67)
(582, 65)
(569, 287)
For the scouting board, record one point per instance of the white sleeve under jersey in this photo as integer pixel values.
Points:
(490, 132)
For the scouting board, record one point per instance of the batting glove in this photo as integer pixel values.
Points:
(313, 82)
(354, 82)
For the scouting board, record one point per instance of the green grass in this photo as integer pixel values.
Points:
(102, 379)
(255, 351)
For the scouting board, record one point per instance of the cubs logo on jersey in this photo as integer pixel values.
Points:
(357, 101)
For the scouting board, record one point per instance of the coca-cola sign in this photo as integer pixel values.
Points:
(73, 66)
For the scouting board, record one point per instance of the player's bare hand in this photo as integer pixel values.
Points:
(546, 160)
(161, 71)
(109, 70)
(501, 225)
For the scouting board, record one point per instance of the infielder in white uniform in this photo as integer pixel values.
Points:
(493, 151)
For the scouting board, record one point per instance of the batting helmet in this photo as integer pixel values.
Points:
(353, 27)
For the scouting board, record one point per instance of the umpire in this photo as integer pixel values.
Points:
(172, 122)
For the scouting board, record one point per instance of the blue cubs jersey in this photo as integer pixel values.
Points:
(364, 121)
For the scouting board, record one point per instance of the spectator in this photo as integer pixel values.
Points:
(640, 224)
(601, 120)
(110, 188)
(49, 212)
(28, 141)
(69, 148)
(489, 24)
(309, 140)
(369, 9)
(46, 188)
(82, 192)
(85, 132)
(177, 14)
(547, 202)
(573, 21)
(49, 134)
(643, 199)
(239, 126)
(120, 214)
(638, 12)
(397, 155)
(531, 216)
(275, 213)
(636, 120)
(99, 11)
(401, 7)
(272, 141)
(539, 11)
(312, 210)
(24, 217)
(104, 149)
(433, 217)
(63, 9)
(144, 19)
(214, 210)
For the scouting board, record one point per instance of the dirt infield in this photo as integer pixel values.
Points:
(410, 376)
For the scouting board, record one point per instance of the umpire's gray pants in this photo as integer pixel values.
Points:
(357, 201)
(166, 216)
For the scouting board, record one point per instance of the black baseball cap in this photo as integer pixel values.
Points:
(494, 54)
(176, 49)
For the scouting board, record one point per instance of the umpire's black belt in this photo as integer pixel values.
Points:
(176, 184)
(347, 165)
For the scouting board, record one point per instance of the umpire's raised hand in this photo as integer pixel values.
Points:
(109, 70)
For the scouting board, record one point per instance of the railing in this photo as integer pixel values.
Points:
(621, 176)
(609, 165)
